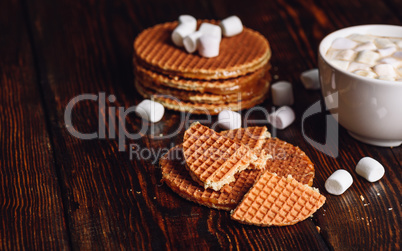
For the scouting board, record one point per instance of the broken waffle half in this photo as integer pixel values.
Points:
(237, 195)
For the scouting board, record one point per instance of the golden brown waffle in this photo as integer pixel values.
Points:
(212, 159)
(253, 137)
(173, 103)
(176, 176)
(261, 86)
(248, 83)
(289, 160)
(238, 55)
(277, 201)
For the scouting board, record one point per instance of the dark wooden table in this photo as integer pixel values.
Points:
(61, 192)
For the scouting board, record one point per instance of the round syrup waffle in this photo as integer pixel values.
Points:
(238, 55)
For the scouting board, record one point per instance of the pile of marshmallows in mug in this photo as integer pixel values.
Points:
(207, 38)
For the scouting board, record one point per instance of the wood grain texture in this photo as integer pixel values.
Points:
(31, 209)
(116, 201)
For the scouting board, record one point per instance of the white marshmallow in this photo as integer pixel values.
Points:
(353, 66)
(387, 51)
(187, 19)
(338, 182)
(367, 57)
(385, 70)
(398, 55)
(180, 32)
(211, 30)
(282, 93)
(399, 43)
(384, 77)
(208, 46)
(366, 46)
(150, 110)
(360, 38)
(343, 44)
(392, 61)
(229, 120)
(383, 43)
(231, 26)
(310, 79)
(345, 55)
(282, 117)
(190, 42)
(370, 169)
(364, 73)
(340, 64)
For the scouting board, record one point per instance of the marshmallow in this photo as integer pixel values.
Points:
(367, 57)
(182, 31)
(366, 46)
(343, 44)
(392, 61)
(398, 55)
(358, 66)
(385, 77)
(208, 46)
(310, 79)
(370, 169)
(399, 43)
(385, 70)
(387, 51)
(383, 43)
(282, 93)
(231, 26)
(150, 110)
(360, 38)
(340, 64)
(187, 19)
(364, 73)
(229, 120)
(345, 55)
(211, 30)
(338, 182)
(282, 117)
(190, 42)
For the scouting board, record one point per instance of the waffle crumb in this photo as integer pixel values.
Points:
(361, 197)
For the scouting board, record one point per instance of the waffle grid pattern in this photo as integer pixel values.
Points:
(213, 158)
(253, 137)
(289, 160)
(176, 176)
(278, 201)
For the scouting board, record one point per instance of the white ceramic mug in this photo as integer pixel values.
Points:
(370, 109)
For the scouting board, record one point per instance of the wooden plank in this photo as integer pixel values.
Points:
(31, 208)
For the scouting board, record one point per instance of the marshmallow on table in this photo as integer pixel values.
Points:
(187, 19)
(387, 51)
(366, 46)
(367, 57)
(231, 26)
(229, 120)
(208, 46)
(282, 117)
(370, 169)
(343, 44)
(338, 182)
(190, 42)
(385, 70)
(310, 79)
(211, 30)
(150, 110)
(182, 31)
(282, 93)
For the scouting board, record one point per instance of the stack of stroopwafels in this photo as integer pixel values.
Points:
(277, 194)
(238, 78)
